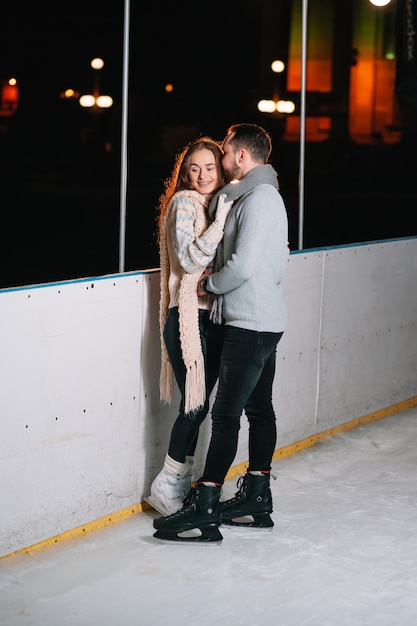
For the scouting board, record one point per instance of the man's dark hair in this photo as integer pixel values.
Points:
(253, 138)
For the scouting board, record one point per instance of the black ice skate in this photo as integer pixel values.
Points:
(197, 522)
(251, 505)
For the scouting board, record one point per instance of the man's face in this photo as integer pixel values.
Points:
(230, 161)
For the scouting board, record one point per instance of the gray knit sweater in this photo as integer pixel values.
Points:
(251, 260)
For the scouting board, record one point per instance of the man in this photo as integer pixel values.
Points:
(250, 266)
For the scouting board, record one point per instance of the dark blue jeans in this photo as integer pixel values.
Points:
(184, 432)
(246, 375)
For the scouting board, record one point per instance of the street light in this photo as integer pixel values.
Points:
(272, 106)
(89, 101)
(276, 105)
(97, 63)
(96, 100)
(277, 66)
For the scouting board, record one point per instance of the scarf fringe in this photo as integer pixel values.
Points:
(166, 382)
(195, 386)
(192, 353)
(216, 310)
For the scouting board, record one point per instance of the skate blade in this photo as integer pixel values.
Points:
(256, 522)
(204, 536)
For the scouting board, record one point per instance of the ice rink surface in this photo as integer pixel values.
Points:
(343, 552)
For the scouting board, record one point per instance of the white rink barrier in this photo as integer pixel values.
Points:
(83, 431)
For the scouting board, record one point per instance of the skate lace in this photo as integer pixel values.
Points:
(240, 486)
(188, 502)
(241, 481)
(190, 497)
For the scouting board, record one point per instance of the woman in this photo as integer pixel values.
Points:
(190, 342)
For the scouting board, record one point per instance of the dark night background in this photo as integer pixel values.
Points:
(59, 187)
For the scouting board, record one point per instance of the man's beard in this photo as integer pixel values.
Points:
(233, 173)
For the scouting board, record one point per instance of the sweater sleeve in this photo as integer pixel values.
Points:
(194, 253)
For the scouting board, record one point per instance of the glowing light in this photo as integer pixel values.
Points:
(87, 101)
(277, 66)
(9, 98)
(285, 106)
(169, 87)
(380, 3)
(270, 106)
(97, 64)
(267, 106)
(104, 102)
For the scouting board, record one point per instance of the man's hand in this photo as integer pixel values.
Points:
(200, 291)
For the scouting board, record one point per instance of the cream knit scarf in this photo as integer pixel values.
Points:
(195, 387)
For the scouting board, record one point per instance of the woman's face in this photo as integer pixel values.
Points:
(203, 171)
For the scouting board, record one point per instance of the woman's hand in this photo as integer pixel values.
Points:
(223, 210)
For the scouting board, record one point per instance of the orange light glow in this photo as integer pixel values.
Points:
(9, 98)
(371, 109)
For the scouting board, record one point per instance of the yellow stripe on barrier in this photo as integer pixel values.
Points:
(236, 470)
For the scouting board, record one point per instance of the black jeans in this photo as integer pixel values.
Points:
(246, 375)
(184, 432)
